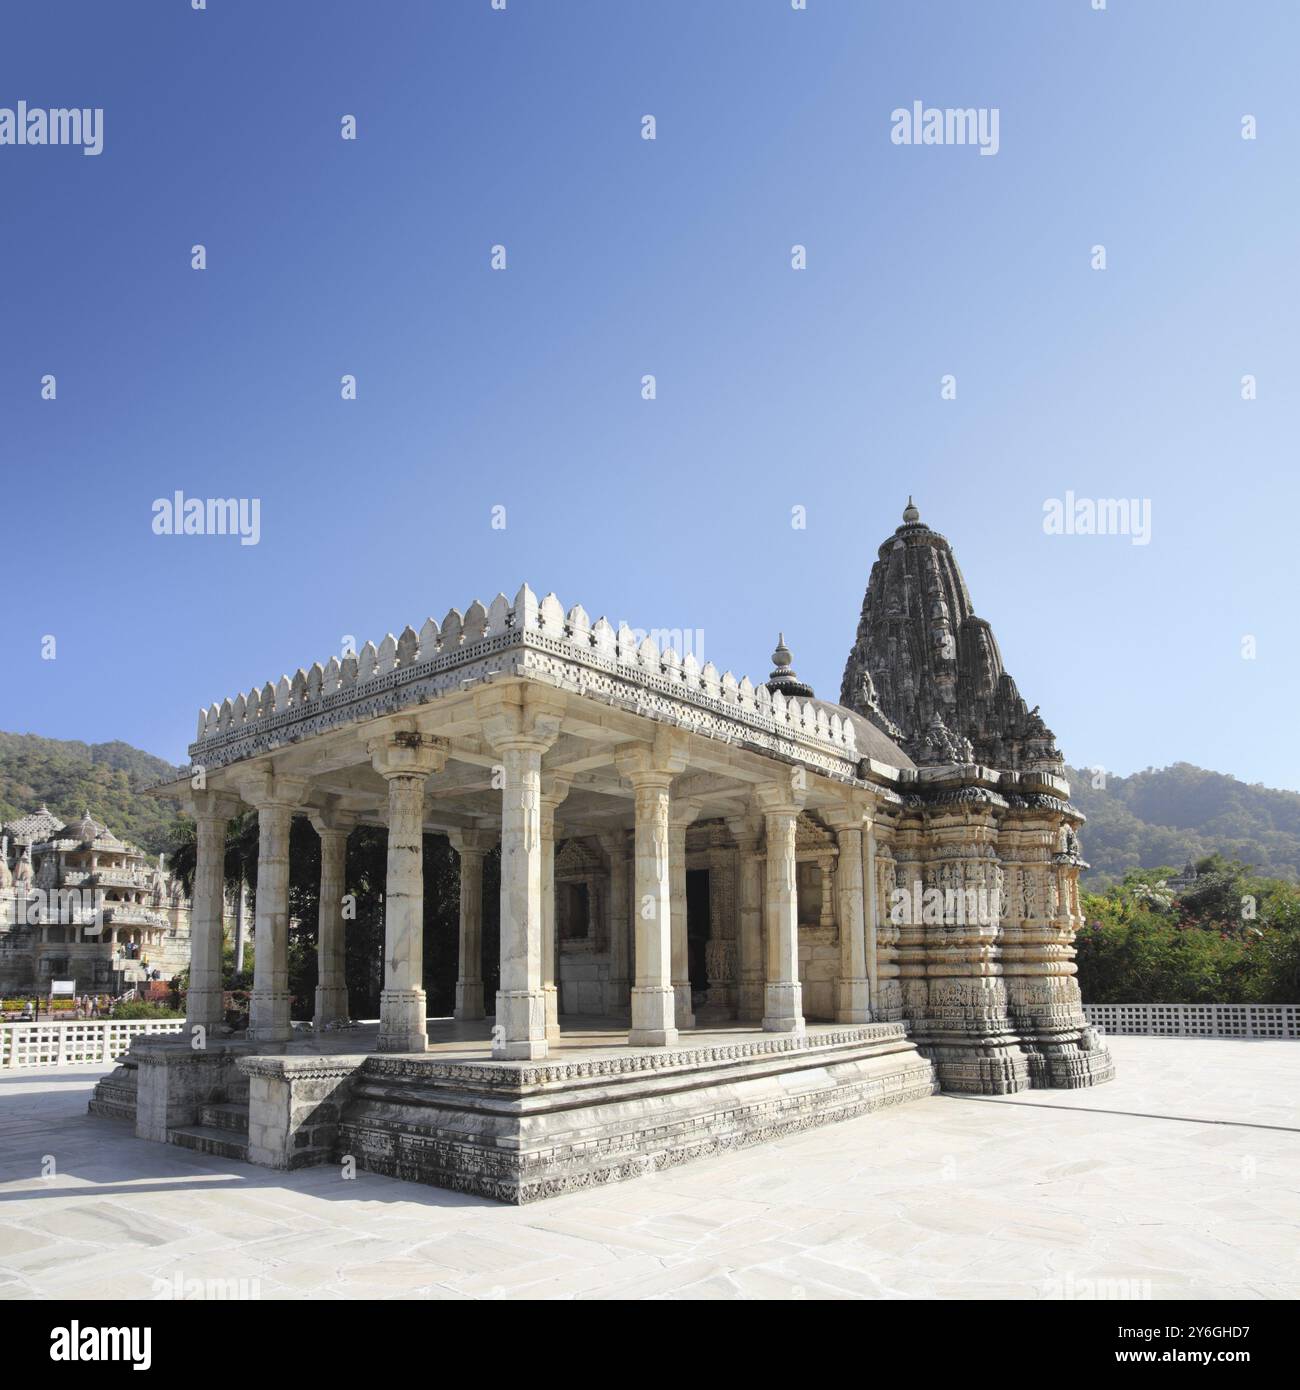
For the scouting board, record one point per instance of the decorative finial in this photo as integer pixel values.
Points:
(910, 513)
(783, 677)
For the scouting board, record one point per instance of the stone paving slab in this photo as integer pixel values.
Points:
(1181, 1179)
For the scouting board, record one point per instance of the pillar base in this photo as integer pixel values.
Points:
(402, 1026)
(268, 1016)
(854, 1002)
(683, 1010)
(331, 1005)
(652, 1016)
(552, 1013)
(783, 1012)
(469, 999)
(203, 1008)
(520, 1030)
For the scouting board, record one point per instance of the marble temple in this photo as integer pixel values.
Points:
(728, 910)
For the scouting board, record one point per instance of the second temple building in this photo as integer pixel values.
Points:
(728, 910)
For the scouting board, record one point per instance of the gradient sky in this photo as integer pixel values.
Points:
(776, 388)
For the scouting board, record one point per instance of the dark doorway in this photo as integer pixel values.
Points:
(697, 926)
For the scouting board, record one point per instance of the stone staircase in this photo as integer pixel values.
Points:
(222, 1130)
(114, 1095)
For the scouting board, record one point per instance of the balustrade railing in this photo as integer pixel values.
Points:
(1198, 1020)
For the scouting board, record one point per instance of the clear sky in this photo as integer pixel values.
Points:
(776, 389)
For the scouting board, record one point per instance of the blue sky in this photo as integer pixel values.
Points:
(776, 388)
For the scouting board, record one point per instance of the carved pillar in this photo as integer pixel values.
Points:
(331, 976)
(203, 1000)
(681, 815)
(619, 853)
(783, 996)
(554, 789)
(871, 917)
(751, 968)
(471, 846)
(650, 770)
(853, 990)
(405, 760)
(275, 799)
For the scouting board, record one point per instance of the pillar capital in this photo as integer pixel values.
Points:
(407, 753)
(653, 764)
(519, 716)
(267, 789)
(617, 844)
(747, 831)
(555, 787)
(330, 820)
(783, 795)
(209, 804)
(844, 817)
(682, 814)
(472, 841)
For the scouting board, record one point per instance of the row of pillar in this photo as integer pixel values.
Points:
(527, 1001)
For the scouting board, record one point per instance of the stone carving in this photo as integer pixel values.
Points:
(925, 669)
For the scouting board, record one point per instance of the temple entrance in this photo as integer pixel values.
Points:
(698, 927)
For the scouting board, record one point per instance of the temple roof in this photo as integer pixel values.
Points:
(927, 672)
(30, 829)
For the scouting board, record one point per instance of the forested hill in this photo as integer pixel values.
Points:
(1161, 816)
(71, 777)
(1173, 814)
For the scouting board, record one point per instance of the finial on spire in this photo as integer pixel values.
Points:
(910, 512)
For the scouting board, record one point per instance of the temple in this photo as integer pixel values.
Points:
(77, 903)
(728, 910)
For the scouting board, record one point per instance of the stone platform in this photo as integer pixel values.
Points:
(596, 1111)
(526, 1130)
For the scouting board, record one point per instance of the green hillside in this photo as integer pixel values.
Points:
(1158, 817)
(70, 777)
(1170, 815)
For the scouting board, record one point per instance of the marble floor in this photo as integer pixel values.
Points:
(1181, 1179)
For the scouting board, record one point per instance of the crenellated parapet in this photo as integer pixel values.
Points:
(533, 639)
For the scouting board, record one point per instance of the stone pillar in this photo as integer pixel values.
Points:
(783, 995)
(554, 790)
(520, 723)
(619, 853)
(853, 990)
(681, 815)
(404, 759)
(520, 1030)
(212, 814)
(653, 999)
(471, 846)
(241, 923)
(275, 799)
(871, 917)
(333, 827)
(751, 968)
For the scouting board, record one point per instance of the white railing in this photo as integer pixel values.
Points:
(79, 1043)
(1198, 1020)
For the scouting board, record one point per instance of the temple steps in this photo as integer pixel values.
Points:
(209, 1139)
(230, 1116)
